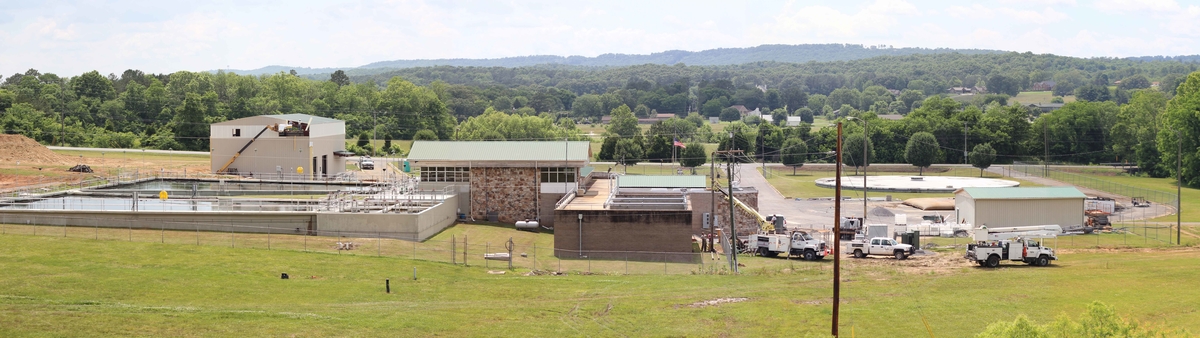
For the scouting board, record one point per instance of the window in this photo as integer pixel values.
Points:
(237, 133)
(445, 174)
(557, 175)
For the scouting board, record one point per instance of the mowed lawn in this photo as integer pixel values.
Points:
(1191, 196)
(54, 286)
(1038, 97)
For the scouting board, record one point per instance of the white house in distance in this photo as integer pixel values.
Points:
(267, 145)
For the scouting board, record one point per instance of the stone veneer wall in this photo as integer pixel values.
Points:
(747, 223)
(512, 192)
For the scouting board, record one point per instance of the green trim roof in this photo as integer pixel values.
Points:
(500, 151)
(1024, 193)
(305, 118)
(660, 181)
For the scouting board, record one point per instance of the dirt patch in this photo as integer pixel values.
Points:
(15, 148)
(933, 262)
(718, 301)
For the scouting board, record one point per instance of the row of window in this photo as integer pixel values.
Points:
(558, 175)
(445, 174)
(463, 174)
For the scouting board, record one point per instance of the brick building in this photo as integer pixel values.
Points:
(642, 217)
(503, 181)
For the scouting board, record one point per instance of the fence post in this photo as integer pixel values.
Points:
(268, 237)
(626, 263)
(197, 234)
(414, 248)
(487, 247)
(305, 241)
(453, 251)
(465, 247)
(162, 233)
(378, 244)
(535, 257)
(131, 232)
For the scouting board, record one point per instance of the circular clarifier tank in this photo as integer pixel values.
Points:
(915, 183)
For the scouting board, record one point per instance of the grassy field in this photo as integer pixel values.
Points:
(1038, 97)
(1191, 196)
(117, 288)
(801, 184)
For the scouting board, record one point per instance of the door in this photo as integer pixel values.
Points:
(313, 169)
(324, 166)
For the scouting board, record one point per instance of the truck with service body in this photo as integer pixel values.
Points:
(849, 227)
(879, 246)
(1012, 244)
(799, 243)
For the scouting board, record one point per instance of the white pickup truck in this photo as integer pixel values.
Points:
(860, 247)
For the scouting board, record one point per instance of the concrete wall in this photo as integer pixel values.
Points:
(1019, 212)
(271, 150)
(647, 235)
(401, 226)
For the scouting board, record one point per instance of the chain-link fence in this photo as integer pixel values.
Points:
(457, 250)
(1127, 235)
(1162, 197)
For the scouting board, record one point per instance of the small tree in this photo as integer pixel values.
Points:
(425, 135)
(628, 151)
(794, 153)
(363, 141)
(853, 148)
(693, 156)
(982, 157)
(921, 150)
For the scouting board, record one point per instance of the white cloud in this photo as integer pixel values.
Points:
(826, 24)
(1186, 22)
(980, 12)
(1040, 2)
(1125, 6)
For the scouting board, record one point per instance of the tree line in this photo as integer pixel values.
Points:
(1111, 122)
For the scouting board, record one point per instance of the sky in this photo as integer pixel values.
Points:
(71, 37)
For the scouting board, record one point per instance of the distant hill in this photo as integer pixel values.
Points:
(711, 57)
(277, 69)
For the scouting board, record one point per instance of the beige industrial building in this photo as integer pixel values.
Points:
(276, 145)
(1005, 207)
(503, 181)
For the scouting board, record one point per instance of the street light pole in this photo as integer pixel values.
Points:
(866, 138)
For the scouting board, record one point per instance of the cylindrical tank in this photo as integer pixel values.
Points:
(527, 225)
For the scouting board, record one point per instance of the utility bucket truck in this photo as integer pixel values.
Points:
(1012, 244)
(800, 244)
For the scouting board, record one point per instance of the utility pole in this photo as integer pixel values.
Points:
(712, 224)
(965, 161)
(374, 126)
(732, 221)
(1046, 156)
(837, 230)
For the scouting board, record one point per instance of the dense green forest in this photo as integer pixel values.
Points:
(1123, 111)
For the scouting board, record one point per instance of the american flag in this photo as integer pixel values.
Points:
(679, 144)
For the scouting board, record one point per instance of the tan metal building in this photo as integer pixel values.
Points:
(275, 145)
(1015, 206)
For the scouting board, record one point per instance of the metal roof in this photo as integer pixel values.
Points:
(287, 117)
(1024, 193)
(660, 181)
(463, 151)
